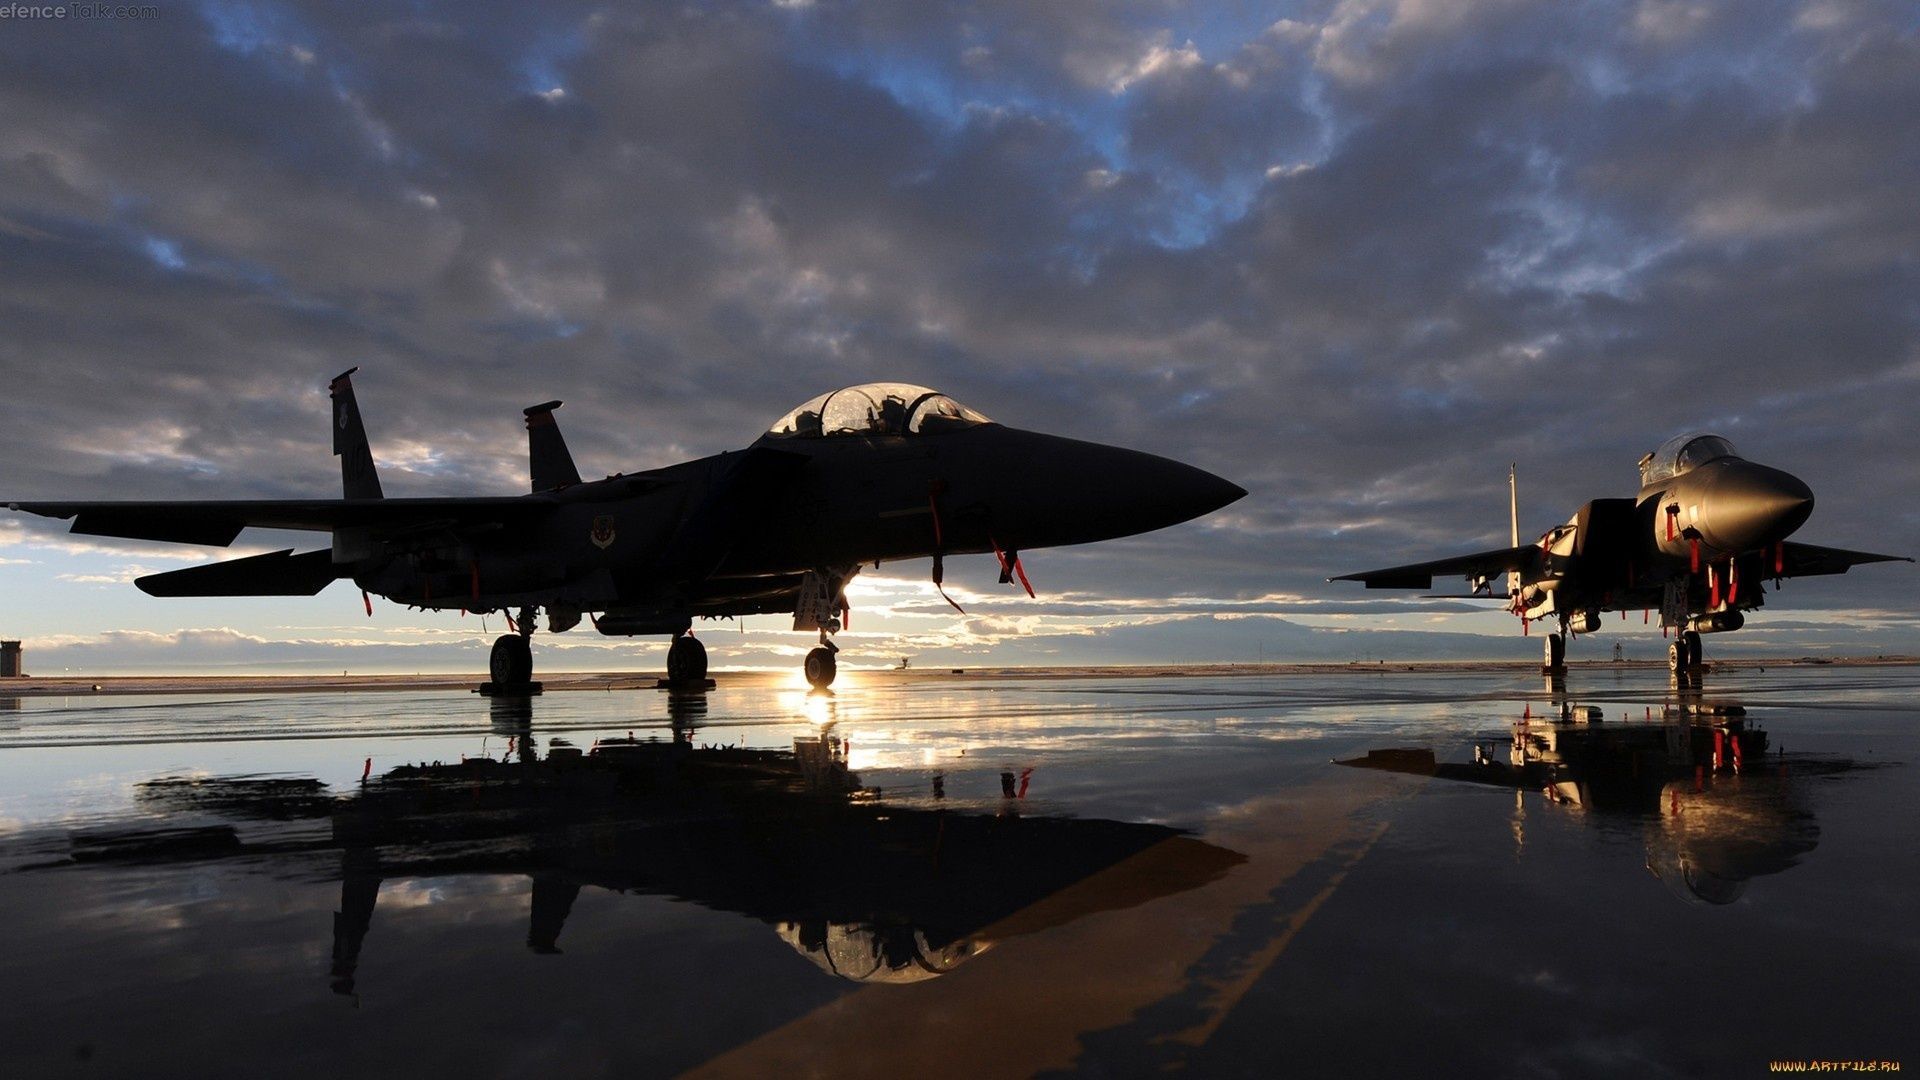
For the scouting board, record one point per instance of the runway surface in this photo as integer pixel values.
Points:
(980, 877)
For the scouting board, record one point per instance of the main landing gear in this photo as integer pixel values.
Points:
(510, 665)
(686, 661)
(1554, 662)
(1683, 652)
(511, 661)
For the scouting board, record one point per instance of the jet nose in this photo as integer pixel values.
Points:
(1750, 506)
(1171, 492)
(1212, 492)
(1063, 491)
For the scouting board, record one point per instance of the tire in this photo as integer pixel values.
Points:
(1555, 648)
(686, 660)
(1692, 641)
(821, 668)
(511, 662)
(1676, 656)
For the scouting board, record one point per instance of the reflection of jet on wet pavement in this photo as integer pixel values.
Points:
(1713, 808)
(867, 890)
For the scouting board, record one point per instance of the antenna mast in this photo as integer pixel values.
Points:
(1513, 527)
(1513, 506)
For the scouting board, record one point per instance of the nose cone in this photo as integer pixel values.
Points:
(1748, 506)
(1123, 492)
(1063, 491)
(1183, 493)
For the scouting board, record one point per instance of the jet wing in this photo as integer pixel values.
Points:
(1485, 564)
(1809, 560)
(277, 573)
(216, 523)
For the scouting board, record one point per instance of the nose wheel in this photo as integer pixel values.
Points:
(821, 667)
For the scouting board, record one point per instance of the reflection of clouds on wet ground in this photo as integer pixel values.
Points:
(1526, 916)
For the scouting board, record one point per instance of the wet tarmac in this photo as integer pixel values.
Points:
(1407, 874)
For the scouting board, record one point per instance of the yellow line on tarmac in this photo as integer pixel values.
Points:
(1229, 997)
(1079, 964)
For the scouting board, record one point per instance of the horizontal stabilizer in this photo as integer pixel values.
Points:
(277, 573)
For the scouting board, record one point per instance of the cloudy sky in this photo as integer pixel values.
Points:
(1356, 255)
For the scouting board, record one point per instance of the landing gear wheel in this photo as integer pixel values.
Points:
(686, 660)
(1676, 656)
(1691, 640)
(821, 668)
(511, 662)
(1556, 652)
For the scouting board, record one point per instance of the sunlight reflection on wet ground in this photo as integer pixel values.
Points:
(968, 876)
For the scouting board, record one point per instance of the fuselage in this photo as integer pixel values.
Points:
(1694, 544)
(733, 523)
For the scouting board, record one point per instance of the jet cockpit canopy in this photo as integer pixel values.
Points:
(876, 409)
(1683, 453)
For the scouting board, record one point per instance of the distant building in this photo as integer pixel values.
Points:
(10, 660)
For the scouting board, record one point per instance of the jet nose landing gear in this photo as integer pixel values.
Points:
(820, 605)
(821, 666)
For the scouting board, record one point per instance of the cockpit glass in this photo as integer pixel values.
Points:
(937, 412)
(1682, 454)
(876, 409)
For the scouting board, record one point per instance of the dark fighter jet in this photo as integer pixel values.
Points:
(866, 474)
(1706, 529)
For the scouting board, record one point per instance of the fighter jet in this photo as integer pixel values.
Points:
(863, 475)
(1707, 528)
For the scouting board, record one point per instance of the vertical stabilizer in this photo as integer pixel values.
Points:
(357, 473)
(548, 460)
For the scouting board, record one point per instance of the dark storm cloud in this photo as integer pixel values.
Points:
(1356, 256)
